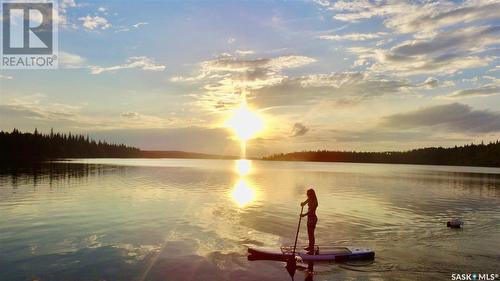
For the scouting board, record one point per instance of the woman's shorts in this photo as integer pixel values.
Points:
(311, 222)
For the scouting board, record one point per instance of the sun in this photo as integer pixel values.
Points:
(244, 123)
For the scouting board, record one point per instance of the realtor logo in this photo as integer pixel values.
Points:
(29, 35)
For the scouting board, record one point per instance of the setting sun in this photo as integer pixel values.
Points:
(244, 122)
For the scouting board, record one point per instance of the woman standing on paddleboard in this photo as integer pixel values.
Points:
(312, 219)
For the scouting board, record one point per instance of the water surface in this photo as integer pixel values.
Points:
(178, 219)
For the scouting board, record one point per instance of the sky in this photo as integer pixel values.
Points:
(364, 75)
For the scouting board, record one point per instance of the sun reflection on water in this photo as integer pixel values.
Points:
(243, 167)
(243, 193)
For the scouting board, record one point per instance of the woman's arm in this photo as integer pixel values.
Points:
(304, 203)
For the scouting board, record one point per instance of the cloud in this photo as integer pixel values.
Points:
(429, 83)
(473, 80)
(195, 139)
(130, 114)
(483, 91)
(6, 77)
(446, 37)
(487, 89)
(30, 106)
(231, 40)
(35, 111)
(139, 24)
(128, 28)
(68, 3)
(353, 36)
(324, 3)
(299, 130)
(410, 17)
(143, 63)
(395, 13)
(341, 88)
(67, 60)
(470, 39)
(122, 29)
(448, 83)
(95, 22)
(231, 64)
(244, 52)
(444, 64)
(436, 125)
(269, 86)
(439, 16)
(381, 135)
(135, 120)
(453, 117)
(352, 85)
(222, 76)
(444, 53)
(61, 17)
(358, 80)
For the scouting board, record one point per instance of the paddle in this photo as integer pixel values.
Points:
(291, 266)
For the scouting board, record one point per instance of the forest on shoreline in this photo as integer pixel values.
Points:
(18, 147)
(25, 147)
(485, 155)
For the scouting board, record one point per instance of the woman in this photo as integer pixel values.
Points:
(312, 219)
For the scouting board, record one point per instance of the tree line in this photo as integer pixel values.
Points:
(19, 146)
(486, 155)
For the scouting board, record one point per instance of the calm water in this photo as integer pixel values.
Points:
(171, 219)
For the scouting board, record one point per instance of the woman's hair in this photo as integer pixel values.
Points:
(312, 195)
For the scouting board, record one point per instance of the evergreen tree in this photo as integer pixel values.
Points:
(17, 146)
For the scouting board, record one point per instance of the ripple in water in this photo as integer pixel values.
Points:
(140, 219)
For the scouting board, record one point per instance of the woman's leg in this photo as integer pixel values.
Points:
(311, 226)
(310, 233)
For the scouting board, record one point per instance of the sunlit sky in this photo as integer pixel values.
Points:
(368, 76)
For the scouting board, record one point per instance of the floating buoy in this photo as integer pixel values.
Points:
(454, 223)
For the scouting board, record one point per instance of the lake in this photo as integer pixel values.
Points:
(182, 219)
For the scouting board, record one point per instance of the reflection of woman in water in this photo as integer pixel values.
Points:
(310, 271)
(312, 219)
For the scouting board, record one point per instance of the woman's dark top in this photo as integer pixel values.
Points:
(311, 208)
(311, 211)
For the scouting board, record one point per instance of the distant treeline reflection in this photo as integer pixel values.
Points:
(35, 173)
(486, 155)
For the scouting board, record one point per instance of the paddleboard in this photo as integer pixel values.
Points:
(321, 253)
